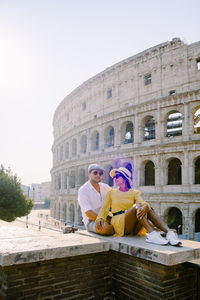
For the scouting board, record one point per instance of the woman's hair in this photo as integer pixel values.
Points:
(127, 181)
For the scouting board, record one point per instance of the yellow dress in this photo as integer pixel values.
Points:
(116, 201)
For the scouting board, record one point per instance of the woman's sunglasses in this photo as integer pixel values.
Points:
(117, 176)
(96, 172)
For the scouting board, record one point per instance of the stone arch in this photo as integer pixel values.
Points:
(81, 177)
(174, 171)
(149, 128)
(197, 170)
(174, 219)
(58, 212)
(174, 123)
(197, 220)
(64, 212)
(59, 181)
(196, 119)
(149, 173)
(83, 144)
(67, 150)
(57, 154)
(72, 179)
(55, 211)
(74, 147)
(127, 132)
(65, 180)
(80, 220)
(61, 152)
(109, 136)
(106, 177)
(71, 213)
(95, 141)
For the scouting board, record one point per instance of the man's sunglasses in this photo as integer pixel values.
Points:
(96, 172)
(117, 176)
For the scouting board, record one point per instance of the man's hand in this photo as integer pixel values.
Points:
(141, 211)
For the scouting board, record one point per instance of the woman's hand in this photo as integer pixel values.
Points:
(141, 211)
(99, 224)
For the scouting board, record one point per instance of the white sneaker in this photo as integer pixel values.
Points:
(172, 238)
(154, 237)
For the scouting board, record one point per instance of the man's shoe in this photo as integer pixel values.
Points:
(154, 237)
(172, 238)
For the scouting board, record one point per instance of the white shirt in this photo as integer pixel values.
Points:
(90, 199)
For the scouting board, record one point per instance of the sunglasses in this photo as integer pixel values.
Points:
(117, 176)
(96, 172)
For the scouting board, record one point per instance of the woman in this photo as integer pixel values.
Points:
(131, 214)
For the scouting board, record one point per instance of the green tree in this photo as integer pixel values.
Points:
(13, 203)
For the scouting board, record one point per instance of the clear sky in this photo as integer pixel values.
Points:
(49, 47)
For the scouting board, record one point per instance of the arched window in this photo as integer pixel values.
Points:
(81, 177)
(196, 119)
(59, 181)
(95, 141)
(72, 180)
(80, 220)
(74, 147)
(149, 129)
(174, 124)
(65, 212)
(128, 133)
(174, 219)
(197, 171)
(65, 181)
(149, 173)
(174, 171)
(55, 211)
(109, 137)
(197, 220)
(61, 153)
(106, 177)
(58, 212)
(83, 144)
(67, 150)
(71, 213)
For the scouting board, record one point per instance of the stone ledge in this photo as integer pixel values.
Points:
(164, 255)
(20, 245)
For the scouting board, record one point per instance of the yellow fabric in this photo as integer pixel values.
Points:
(116, 201)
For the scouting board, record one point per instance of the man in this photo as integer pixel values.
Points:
(90, 197)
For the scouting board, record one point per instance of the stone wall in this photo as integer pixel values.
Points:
(139, 279)
(80, 277)
(107, 276)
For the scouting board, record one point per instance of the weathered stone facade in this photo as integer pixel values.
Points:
(144, 113)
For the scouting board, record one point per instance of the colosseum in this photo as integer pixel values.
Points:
(142, 113)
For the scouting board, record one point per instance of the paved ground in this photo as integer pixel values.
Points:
(38, 222)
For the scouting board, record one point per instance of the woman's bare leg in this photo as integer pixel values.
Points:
(131, 222)
(146, 224)
(157, 221)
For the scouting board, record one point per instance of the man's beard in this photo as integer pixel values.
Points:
(96, 181)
